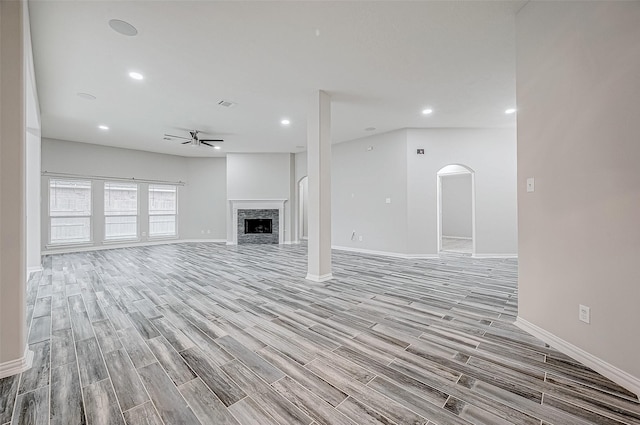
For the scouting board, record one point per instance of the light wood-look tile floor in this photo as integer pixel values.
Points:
(213, 335)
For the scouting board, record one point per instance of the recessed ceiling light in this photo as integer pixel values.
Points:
(217, 147)
(103, 127)
(370, 129)
(285, 122)
(136, 76)
(510, 111)
(86, 96)
(427, 111)
(122, 27)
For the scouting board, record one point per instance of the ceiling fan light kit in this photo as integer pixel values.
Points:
(194, 140)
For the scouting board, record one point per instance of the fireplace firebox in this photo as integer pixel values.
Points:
(257, 225)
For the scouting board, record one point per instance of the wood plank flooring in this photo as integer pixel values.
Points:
(216, 335)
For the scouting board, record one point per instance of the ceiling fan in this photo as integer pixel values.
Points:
(194, 139)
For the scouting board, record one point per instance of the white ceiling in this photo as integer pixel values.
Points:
(382, 63)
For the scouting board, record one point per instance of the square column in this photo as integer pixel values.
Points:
(319, 172)
(14, 355)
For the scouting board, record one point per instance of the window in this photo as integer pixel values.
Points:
(69, 211)
(120, 211)
(163, 203)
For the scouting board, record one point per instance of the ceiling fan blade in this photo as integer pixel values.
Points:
(212, 140)
(177, 137)
(188, 141)
(205, 143)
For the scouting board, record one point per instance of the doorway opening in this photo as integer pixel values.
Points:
(303, 208)
(456, 209)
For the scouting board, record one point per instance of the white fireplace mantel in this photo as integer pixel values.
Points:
(254, 204)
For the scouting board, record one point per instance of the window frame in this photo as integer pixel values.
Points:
(149, 214)
(136, 237)
(50, 242)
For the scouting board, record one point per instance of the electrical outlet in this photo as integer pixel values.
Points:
(387, 200)
(202, 231)
(584, 314)
(208, 231)
(360, 238)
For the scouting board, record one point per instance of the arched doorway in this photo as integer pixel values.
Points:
(303, 208)
(456, 209)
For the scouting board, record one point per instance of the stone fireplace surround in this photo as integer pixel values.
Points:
(255, 204)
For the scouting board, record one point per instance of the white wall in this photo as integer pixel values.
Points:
(491, 154)
(456, 205)
(362, 180)
(205, 207)
(578, 88)
(32, 153)
(13, 332)
(262, 176)
(200, 201)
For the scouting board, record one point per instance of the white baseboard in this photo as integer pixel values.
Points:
(201, 240)
(457, 237)
(319, 278)
(607, 370)
(85, 248)
(494, 256)
(16, 366)
(384, 253)
(34, 269)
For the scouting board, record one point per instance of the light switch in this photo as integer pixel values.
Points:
(531, 184)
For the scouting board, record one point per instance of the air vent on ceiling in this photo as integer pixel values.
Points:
(227, 103)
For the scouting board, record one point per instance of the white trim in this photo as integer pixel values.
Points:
(384, 253)
(494, 256)
(69, 249)
(607, 370)
(319, 278)
(202, 240)
(108, 178)
(34, 269)
(457, 237)
(13, 367)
